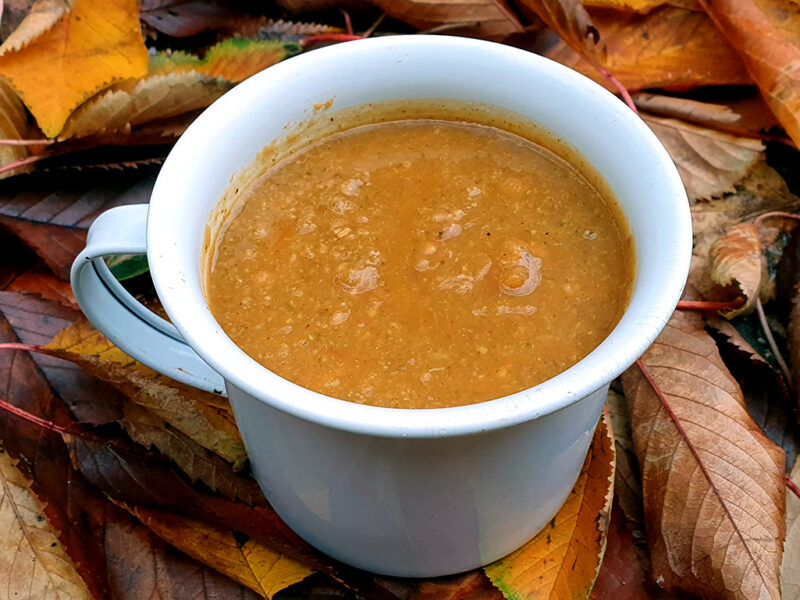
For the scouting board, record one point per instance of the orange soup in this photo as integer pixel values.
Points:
(421, 264)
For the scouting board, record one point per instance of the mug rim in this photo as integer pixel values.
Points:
(618, 350)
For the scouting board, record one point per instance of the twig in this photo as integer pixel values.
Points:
(374, 26)
(348, 24)
(704, 305)
(775, 213)
(32, 418)
(328, 37)
(792, 486)
(41, 142)
(449, 26)
(21, 163)
(771, 340)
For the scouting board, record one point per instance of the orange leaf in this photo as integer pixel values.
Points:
(736, 262)
(714, 491)
(569, 19)
(562, 561)
(766, 33)
(667, 48)
(493, 17)
(642, 6)
(95, 45)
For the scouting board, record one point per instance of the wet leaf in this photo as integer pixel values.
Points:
(132, 103)
(88, 49)
(493, 18)
(205, 418)
(32, 560)
(766, 33)
(182, 18)
(248, 562)
(736, 265)
(627, 481)
(710, 162)
(714, 493)
(52, 214)
(790, 568)
(563, 559)
(670, 48)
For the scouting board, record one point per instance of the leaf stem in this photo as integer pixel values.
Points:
(775, 213)
(18, 346)
(626, 97)
(21, 163)
(41, 142)
(771, 341)
(31, 418)
(374, 26)
(791, 485)
(328, 37)
(348, 23)
(705, 305)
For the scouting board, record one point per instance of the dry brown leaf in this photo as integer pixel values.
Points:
(642, 6)
(736, 265)
(149, 430)
(494, 18)
(250, 562)
(563, 559)
(669, 48)
(761, 191)
(710, 162)
(790, 568)
(714, 492)
(203, 417)
(627, 481)
(32, 560)
(13, 125)
(766, 33)
(90, 48)
(43, 16)
(135, 102)
(793, 334)
(570, 20)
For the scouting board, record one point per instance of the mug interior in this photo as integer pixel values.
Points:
(229, 135)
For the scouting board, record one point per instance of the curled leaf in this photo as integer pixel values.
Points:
(714, 492)
(736, 263)
(563, 559)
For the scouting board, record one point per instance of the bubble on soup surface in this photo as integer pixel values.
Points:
(520, 273)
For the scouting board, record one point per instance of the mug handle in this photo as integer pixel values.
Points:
(119, 316)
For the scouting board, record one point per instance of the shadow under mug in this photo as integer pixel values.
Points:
(416, 493)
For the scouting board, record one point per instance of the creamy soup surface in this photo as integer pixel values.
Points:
(421, 264)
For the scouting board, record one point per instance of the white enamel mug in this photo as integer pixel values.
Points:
(400, 492)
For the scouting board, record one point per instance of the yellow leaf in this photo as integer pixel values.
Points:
(134, 102)
(205, 418)
(95, 45)
(33, 562)
(251, 563)
(736, 262)
(562, 561)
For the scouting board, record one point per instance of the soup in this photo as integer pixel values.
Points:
(421, 264)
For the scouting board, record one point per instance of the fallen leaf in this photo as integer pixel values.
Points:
(52, 214)
(714, 493)
(765, 393)
(234, 59)
(761, 191)
(142, 566)
(203, 417)
(627, 481)
(196, 462)
(570, 20)
(182, 18)
(32, 560)
(793, 332)
(246, 561)
(790, 567)
(642, 6)
(493, 18)
(40, 281)
(321, 5)
(15, 259)
(14, 12)
(131, 103)
(736, 265)
(766, 33)
(563, 559)
(87, 50)
(262, 28)
(621, 575)
(13, 125)
(670, 48)
(710, 162)
(41, 17)
(746, 117)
